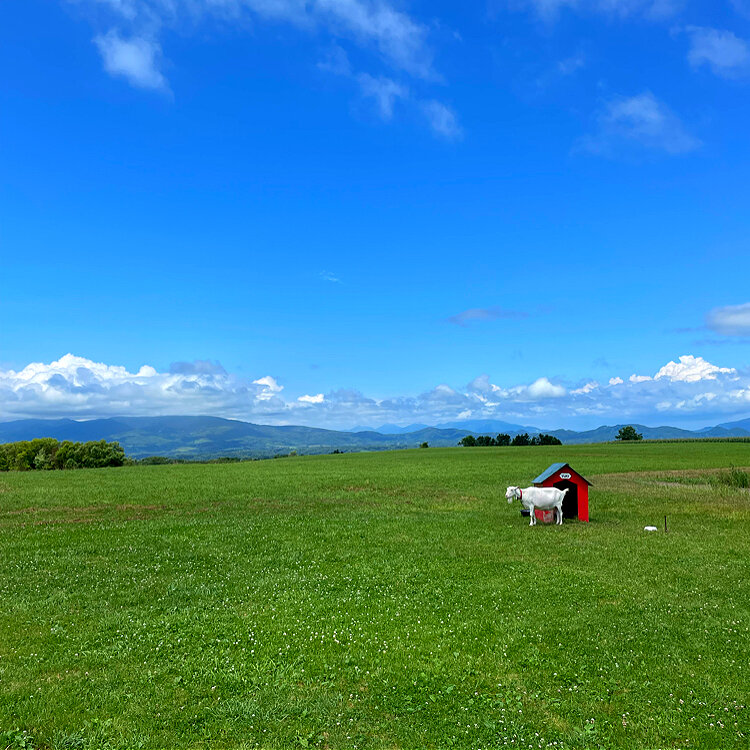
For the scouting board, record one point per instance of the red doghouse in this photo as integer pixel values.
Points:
(576, 502)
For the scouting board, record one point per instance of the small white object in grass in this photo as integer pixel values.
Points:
(650, 528)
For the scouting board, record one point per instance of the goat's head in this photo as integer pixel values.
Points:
(511, 493)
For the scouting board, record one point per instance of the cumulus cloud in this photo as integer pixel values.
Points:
(732, 320)
(136, 59)
(691, 369)
(270, 387)
(725, 53)
(543, 388)
(586, 388)
(77, 387)
(482, 385)
(317, 399)
(640, 121)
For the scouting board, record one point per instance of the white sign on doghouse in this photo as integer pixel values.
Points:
(565, 475)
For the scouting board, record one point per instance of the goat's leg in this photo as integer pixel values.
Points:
(532, 517)
(559, 515)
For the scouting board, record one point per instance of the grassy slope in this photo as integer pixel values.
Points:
(376, 600)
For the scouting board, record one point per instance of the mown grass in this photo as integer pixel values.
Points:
(377, 600)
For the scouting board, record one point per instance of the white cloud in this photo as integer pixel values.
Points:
(549, 10)
(126, 8)
(725, 53)
(136, 59)
(691, 369)
(374, 26)
(80, 388)
(270, 387)
(543, 388)
(384, 91)
(328, 276)
(398, 38)
(336, 61)
(570, 65)
(732, 320)
(640, 121)
(317, 399)
(491, 395)
(481, 385)
(442, 119)
(587, 388)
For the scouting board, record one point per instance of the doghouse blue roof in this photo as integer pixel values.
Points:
(553, 469)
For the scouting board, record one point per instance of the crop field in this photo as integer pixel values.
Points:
(378, 600)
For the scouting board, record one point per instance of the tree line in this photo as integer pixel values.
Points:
(46, 454)
(470, 441)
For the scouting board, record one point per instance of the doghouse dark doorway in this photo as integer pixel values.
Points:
(570, 503)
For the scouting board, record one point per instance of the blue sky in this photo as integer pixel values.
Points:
(395, 211)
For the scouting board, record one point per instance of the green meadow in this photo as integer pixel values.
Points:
(378, 600)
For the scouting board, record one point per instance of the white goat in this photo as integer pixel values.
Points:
(544, 498)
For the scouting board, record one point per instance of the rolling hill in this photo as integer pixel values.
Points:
(213, 437)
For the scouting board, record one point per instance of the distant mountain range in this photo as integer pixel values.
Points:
(476, 426)
(212, 437)
(598, 435)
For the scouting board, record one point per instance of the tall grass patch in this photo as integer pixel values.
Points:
(734, 478)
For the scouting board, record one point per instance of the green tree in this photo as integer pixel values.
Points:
(43, 460)
(549, 439)
(502, 439)
(628, 433)
(156, 461)
(48, 453)
(468, 442)
(521, 439)
(424, 445)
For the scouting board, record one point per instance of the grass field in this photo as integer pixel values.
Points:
(377, 600)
